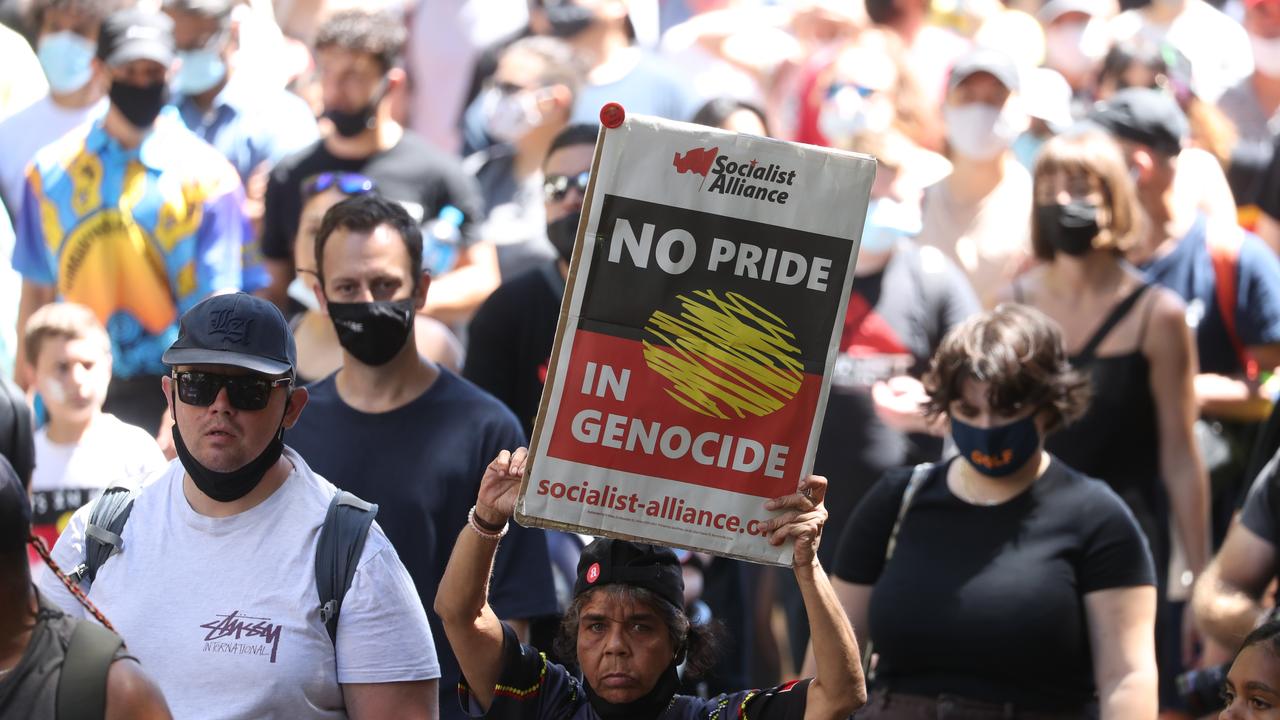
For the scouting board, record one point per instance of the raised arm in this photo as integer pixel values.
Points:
(838, 687)
(474, 631)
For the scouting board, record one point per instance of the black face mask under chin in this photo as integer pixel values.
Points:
(646, 707)
(235, 484)
(562, 233)
(352, 123)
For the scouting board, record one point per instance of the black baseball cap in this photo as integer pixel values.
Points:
(15, 510)
(134, 34)
(1146, 116)
(618, 562)
(235, 329)
(992, 62)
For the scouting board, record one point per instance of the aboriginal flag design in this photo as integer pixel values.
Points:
(735, 355)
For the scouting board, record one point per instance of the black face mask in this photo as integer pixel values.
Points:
(373, 332)
(567, 20)
(139, 105)
(235, 484)
(563, 232)
(648, 706)
(1069, 228)
(350, 124)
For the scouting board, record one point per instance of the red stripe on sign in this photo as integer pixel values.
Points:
(616, 413)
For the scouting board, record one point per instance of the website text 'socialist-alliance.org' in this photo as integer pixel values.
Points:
(665, 508)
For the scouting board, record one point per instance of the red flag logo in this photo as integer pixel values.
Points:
(697, 160)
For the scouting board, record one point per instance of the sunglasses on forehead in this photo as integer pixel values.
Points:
(555, 187)
(244, 392)
(346, 183)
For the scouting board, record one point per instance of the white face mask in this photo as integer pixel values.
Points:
(847, 113)
(977, 130)
(509, 117)
(1266, 55)
(1076, 47)
(888, 221)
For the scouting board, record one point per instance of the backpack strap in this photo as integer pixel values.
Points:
(82, 686)
(346, 526)
(1224, 252)
(102, 534)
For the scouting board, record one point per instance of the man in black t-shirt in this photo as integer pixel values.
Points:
(356, 58)
(400, 431)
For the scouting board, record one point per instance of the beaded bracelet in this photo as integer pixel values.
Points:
(479, 528)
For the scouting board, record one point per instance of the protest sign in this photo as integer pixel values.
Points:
(705, 298)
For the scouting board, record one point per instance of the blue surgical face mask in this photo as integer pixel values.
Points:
(888, 221)
(67, 60)
(997, 451)
(200, 70)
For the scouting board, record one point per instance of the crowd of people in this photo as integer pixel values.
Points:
(281, 283)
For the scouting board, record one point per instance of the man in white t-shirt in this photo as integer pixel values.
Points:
(80, 450)
(215, 588)
(66, 42)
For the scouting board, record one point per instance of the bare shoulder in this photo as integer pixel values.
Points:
(1166, 335)
(131, 694)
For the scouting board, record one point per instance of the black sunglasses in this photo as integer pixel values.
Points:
(347, 184)
(244, 392)
(555, 187)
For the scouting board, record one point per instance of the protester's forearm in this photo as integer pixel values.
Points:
(455, 297)
(463, 594)
(1188, 489)
(1133, 696)
(1223, 613)
(838, 682)
(472, 629)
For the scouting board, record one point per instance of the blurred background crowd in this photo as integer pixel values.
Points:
(1001, 129)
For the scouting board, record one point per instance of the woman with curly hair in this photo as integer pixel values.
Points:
(1001, 583)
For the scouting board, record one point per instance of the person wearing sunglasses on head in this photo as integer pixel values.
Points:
(319, 351)
(215, 582)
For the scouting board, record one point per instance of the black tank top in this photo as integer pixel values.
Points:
(30, 689)
(1117, 440)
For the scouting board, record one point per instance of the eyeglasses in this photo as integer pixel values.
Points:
(555, 187)
(347, 184)
(244, 392)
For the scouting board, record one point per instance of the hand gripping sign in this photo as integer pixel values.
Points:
(693, 355)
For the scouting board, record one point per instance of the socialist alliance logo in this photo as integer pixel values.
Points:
(734, 177)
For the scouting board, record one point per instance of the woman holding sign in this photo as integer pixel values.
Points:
(1001, 583)
(627, 629)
